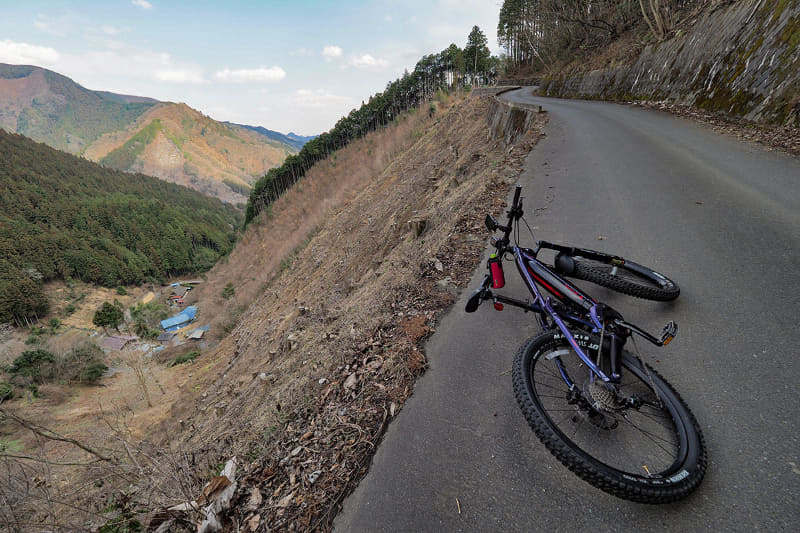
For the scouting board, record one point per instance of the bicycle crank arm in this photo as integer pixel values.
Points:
(480, 294)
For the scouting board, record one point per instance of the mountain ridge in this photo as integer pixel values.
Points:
(291, 138)
(184, 146)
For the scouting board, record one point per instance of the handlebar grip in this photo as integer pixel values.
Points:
(517, 192)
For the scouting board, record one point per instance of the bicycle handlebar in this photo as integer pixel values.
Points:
(515, 213)
(517, 192)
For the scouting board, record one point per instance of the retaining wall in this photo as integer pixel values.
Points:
(509, 120)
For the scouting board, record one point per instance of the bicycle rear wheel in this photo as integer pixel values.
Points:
(639, 442)
(628, 278)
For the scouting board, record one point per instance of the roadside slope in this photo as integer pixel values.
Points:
(327, 353)
(316, 348)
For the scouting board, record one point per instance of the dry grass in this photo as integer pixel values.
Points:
(323, 348)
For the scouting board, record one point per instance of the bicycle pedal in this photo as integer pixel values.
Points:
(668, 333)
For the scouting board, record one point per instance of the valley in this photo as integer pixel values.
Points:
(311, 307)
(170, 141)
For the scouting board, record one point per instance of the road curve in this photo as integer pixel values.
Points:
(719, 216)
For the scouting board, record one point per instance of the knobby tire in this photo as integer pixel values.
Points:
(631, 279)
(653, 454)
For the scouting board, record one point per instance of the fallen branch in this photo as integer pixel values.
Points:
(52, 435)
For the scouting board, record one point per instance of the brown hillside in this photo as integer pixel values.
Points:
(19, 93)
(183, 146)
(317, 350)
(196, 151)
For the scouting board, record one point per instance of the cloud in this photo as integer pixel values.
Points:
(144, 4)
(59, 26)
(129, 67)
(245, 75)
(24, 53)
(179, 75)
(318, 99)
(367, 62)
(331, 51)
(301, 52)
(111, 30)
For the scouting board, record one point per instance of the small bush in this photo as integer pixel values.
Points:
(75, 365)
(93, 372)
(6, 391)
(122, 291)
(144, 331)
(69, 309)
(54, 324)
(33, 339)
(35, 364)
(228, 292)
(188, 357)
(109, 316)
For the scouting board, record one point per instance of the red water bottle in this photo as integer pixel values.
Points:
(496, 268)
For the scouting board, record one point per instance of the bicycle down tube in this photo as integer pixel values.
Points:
(534, 272)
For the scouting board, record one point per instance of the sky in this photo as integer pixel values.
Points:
(294, 66)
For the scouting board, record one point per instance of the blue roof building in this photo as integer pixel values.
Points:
(180, 320)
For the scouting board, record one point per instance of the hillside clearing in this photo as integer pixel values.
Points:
(335, 293)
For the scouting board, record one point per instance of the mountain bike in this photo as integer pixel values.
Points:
(597, 407)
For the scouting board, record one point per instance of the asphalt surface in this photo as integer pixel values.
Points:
(720, 217)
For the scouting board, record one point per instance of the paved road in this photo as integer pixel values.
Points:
(723, 219)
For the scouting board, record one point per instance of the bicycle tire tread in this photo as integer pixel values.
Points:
(586, 272)
(588, 472)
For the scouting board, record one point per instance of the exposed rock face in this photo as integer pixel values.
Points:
(741, 59)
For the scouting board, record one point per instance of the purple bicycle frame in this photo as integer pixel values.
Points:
(535, 273)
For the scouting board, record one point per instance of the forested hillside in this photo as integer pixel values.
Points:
(62, 216)
(451, 69)
(167, 140)
(52, 109)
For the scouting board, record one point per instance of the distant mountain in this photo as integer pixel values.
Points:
(126, 98)
(301, 138)
(52, 109)
(63, 216)
(179, 144)
(297, 141)
(137, 134)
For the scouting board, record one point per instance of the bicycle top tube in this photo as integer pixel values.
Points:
(535, 272)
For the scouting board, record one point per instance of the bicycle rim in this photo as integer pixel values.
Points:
(652, 452)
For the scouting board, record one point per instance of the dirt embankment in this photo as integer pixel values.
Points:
(334, 291)
(328, 353)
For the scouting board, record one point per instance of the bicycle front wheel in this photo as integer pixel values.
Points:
(628, 278)
(637, 441)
